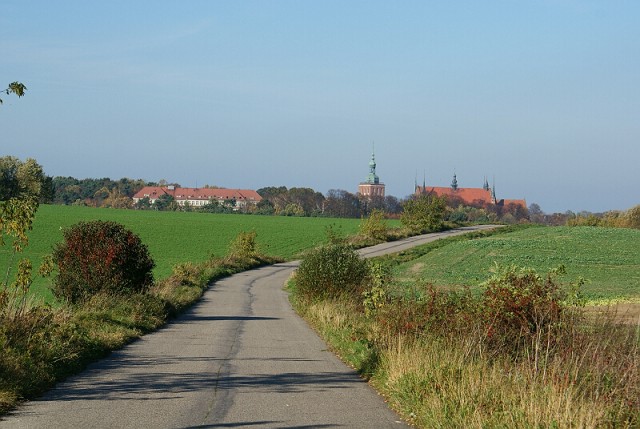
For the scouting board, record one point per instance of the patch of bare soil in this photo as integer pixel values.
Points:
(624, 312)
(416, 268)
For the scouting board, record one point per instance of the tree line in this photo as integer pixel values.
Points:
(276, 200)
(294, 201)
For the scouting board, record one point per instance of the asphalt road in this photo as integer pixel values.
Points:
(240, 358)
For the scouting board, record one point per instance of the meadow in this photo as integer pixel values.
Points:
(607, 258)
(177, 237)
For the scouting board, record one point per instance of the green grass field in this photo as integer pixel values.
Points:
(175, 237)
(608, 258)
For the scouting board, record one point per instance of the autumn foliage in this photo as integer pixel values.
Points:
(100, 256)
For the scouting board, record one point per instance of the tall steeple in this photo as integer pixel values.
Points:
(371, 187)
(372, 177)
(493, 192)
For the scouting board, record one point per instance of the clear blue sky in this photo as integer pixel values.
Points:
(542, 95)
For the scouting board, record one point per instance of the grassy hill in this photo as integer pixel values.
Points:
(175, 237)
(608, 258)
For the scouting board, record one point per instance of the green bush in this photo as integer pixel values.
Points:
(244, 245)
(332, 271)
(100, 256)
(424, 214)
(374, 226)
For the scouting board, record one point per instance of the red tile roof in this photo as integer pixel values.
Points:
(522, 203)
(468, 195)
(154, 192)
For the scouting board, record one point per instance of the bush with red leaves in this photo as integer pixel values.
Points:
(100, 257)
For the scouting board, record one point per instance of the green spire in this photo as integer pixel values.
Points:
(454, 183)
(372, 177)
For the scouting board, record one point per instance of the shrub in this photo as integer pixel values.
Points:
(423, 214)
(519, 305)
(332, 271)
(374, 226)
(100, 256)
(244, 246)
(376, 297)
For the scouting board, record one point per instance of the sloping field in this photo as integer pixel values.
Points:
(608, 258)
(175, 237)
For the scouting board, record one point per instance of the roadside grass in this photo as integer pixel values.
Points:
(177, 237)
(607, 258)
(434, 354)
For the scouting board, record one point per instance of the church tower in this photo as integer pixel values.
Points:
(371, 187)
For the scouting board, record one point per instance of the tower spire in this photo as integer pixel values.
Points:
(493, 191)
(372, 177)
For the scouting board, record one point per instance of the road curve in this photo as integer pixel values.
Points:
(239, 358)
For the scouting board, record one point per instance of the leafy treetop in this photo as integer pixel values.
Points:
(16, 88)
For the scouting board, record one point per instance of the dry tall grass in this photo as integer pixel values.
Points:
(441, 370)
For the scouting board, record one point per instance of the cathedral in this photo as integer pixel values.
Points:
(468, 196)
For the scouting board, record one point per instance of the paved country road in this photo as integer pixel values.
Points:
(240, 358)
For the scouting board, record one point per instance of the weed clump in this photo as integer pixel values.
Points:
(100, 256)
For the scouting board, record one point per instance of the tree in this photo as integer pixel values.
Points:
(392, 205)
(16, 88)
(164, 202)
(20, 188)
(280, 200)
(20, 179)
(632, 217)
(536, 215)
(340, 203)
(424, 213)
(112, 198)
(143, 203)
